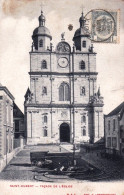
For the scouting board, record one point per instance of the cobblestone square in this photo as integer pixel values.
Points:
(20, 167)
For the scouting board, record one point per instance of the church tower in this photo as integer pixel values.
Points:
(41, 36)
(63, 103)
(81, 38)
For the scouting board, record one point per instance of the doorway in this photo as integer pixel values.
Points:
(64, 132)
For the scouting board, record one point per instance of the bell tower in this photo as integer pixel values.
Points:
(81, 38)
(41, 35)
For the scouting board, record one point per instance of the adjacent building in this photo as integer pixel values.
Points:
(114, 131)
(18, 118)
(63, 103)
(6, 121)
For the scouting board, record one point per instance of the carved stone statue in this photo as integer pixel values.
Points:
(62, 35)
(63, 47)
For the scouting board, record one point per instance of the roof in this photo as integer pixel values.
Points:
(6, 91)
(27, 92)
(17, 112)
(80, 32)
(42, 30)
(121, 113)
(101, 141)
(117, 110)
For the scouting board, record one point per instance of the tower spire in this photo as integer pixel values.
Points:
(42, 19)
(82, 20)
(98, 93)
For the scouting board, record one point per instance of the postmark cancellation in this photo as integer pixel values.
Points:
(103, 25)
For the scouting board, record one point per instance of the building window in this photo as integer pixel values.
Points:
(44, 64)
(1, 97)
(45, 119)
(64, 92)
(109, 142)
(45, 132)
(83, 132)
(84, 44)
(83, 119)
(108, 125)
(44, 91)
(82, 65)
(113, 124)
(82, 90)
(41, 43)
(114, 142)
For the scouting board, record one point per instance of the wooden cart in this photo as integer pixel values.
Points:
(38, 157)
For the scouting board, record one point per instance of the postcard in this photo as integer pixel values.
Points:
(62, 97)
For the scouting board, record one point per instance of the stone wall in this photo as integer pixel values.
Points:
(6, 159)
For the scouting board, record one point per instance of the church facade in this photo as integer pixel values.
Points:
(63, 103)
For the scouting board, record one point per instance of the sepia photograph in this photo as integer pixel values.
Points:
(62, 97)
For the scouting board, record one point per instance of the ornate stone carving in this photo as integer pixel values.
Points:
(29, 98)
(63, 47)
(64, 114)
(96, 100)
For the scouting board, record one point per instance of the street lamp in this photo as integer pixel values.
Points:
(74, 148)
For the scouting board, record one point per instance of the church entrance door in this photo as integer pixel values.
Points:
(64, 132)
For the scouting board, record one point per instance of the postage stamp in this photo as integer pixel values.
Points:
(103, 25)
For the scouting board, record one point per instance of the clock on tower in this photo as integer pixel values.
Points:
(63, 62)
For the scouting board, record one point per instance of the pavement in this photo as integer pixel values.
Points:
(113, 169)
(20, 167)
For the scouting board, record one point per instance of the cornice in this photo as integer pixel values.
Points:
(7, 92)
(61, 73)
(56, 105)
(62, 53)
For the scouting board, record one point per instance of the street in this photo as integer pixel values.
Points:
(20, 168)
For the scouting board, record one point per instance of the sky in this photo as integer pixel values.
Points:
(18, 19)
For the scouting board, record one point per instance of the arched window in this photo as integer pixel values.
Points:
(45, 119)
(41, 43)
(45, 132)
(44, 91)
(83, 119)
(44, 64)
(64, 92)
(82, 65)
